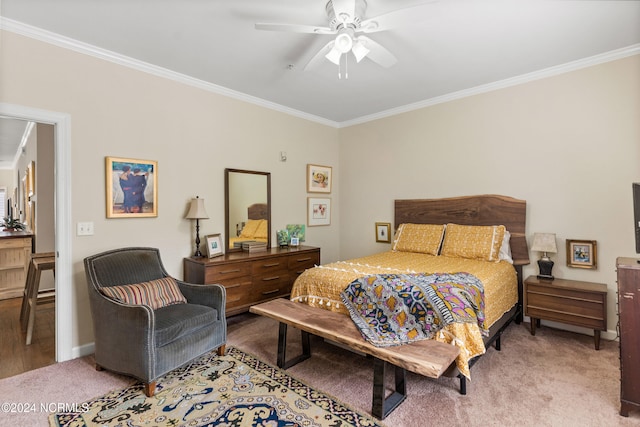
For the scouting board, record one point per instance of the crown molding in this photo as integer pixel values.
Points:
(513, 81)
(87, 49)
(107, 55)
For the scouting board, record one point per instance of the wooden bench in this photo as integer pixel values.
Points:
(428, 357)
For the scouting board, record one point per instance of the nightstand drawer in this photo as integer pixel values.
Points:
(566, 305)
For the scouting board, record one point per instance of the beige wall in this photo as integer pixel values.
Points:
(192, 133)
(567, 144)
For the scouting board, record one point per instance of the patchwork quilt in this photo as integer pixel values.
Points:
(395, 309)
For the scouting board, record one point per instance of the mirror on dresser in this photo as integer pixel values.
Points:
(247, 197)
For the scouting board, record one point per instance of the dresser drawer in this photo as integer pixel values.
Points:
(269, 286)
(219, 273)
(300, 262)
(269, 265)
(238, 291)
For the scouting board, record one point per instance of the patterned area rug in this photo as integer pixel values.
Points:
(232, 390)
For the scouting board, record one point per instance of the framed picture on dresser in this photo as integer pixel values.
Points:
(214, 245)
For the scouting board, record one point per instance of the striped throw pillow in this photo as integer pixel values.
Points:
(156, 293)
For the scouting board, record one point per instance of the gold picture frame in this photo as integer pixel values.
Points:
(131, 188)
(582, 253)
(383, 232)
(319, 178)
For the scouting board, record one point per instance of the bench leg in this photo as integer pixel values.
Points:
(282, 348)
(383, 406)
(463, 384)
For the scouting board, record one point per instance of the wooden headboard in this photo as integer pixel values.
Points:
(471, 210)
(258, 211)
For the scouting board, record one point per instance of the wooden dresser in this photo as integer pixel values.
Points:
(251, 278)
(629, 330)
(15, 254)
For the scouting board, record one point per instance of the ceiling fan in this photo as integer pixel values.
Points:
(347, 22)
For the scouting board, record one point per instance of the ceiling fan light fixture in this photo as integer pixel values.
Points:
(359, 50)
(344, 42)
(334, 55)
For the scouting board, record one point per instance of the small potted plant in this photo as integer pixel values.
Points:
(12, 224)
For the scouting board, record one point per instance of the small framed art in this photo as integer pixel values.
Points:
(295, 241)
(214, 245)
(318, 211)
(383, 232)
(131, 188)
(582, 253)
(319, 179)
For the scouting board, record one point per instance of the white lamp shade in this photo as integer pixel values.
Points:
(334, 55)
(344, 42)
(359, 50)
(544, 242)
(196, 210)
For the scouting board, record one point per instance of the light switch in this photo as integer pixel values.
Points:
(84, 229)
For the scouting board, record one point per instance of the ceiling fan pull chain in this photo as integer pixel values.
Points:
(346, 67)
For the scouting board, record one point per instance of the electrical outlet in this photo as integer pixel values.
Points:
(84, 229)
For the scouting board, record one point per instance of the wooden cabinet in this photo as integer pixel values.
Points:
(251, 278)
(629, 331)
(15, 253)
(567, 301)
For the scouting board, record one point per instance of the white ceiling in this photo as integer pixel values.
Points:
(454, 47)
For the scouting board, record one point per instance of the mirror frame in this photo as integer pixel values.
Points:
(227, 171)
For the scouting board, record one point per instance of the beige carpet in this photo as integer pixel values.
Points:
(553, 379)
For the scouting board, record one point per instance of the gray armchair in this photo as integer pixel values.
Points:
(139, 341)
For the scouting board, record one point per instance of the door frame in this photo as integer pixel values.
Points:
(62, 210)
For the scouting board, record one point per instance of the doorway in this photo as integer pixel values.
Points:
(62, 220)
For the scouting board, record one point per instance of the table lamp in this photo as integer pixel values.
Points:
(197, 212)
(545, 243)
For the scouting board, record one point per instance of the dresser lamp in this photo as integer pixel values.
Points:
(197, 212)
(545, 243)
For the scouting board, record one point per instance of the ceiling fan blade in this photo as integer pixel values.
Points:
(320, 56)
(294, 28)
(397, 18)
(377, 53)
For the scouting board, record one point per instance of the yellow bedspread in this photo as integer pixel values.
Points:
(321, 286)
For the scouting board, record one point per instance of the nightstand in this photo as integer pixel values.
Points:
(567, 301)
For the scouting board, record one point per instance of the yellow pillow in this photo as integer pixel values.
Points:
(473, 241)
(421, 238)
(263, 230)
(250, 228)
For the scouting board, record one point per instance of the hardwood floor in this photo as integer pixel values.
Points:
(17, 357)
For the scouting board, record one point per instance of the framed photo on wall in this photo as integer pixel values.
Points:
(318, 211)
(214, 245)
(383, 232)
(582, 253)
(131, 188)
(319, 179)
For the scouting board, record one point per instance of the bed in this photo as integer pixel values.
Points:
(256, 229)
(417, 249)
